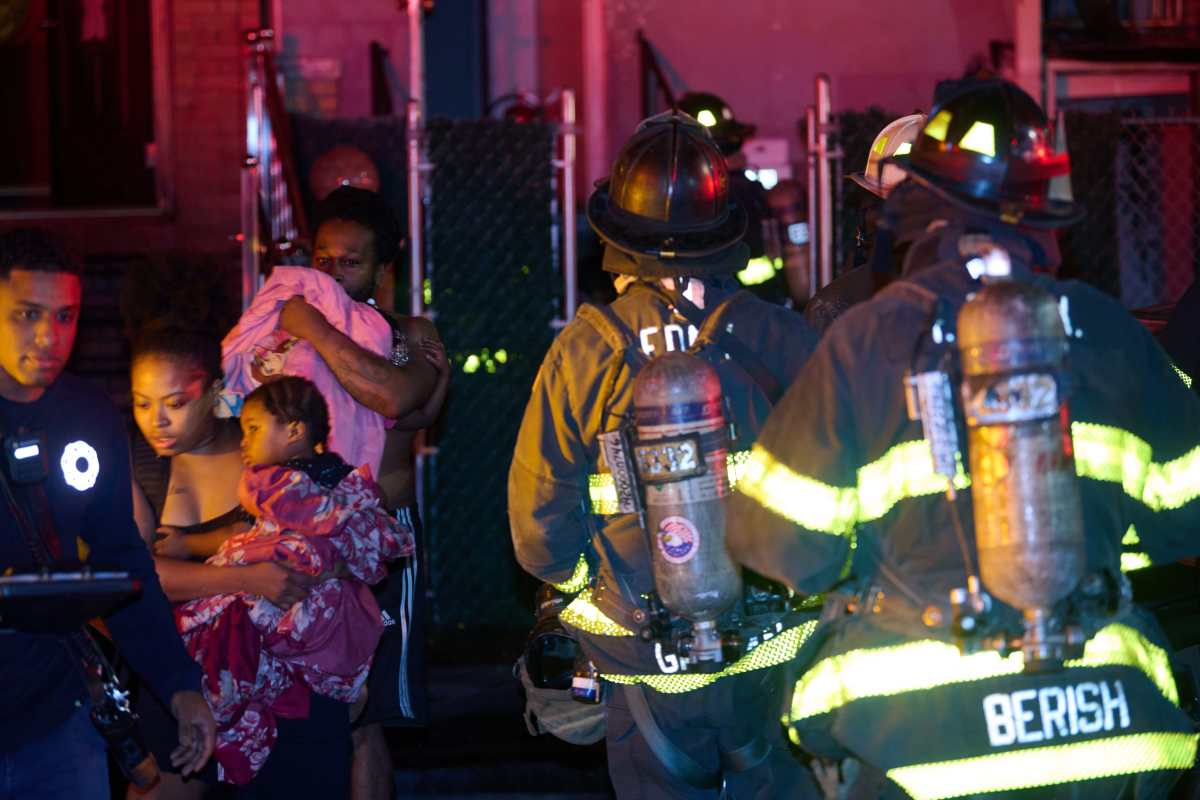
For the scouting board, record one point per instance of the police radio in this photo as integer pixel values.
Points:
(25, 458)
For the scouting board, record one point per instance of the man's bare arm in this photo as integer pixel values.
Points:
(370, 379)
(428, 346)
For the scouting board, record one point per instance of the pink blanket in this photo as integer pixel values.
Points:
(260, 662)
(257, 349)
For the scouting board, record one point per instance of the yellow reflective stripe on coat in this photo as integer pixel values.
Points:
(1048, 766)
(906, 471)
(1183, 376)
(584, 615)
(1133, 560)
(928, 664)
(779, 649)
(1106, 453)
(578, 580)
(902, 472)
(603, 492)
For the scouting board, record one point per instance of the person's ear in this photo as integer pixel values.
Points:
(297, 431)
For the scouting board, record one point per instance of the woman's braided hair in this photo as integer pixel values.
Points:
(293, 399)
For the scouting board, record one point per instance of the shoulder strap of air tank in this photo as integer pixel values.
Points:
(714, 332)
(615, 333)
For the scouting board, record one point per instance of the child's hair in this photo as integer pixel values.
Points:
(293, 399)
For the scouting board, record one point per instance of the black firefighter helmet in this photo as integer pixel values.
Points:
(668, 198)
(715, 114)
(989, 148)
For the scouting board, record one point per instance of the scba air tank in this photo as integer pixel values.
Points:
(680, 456)
(1028, 519)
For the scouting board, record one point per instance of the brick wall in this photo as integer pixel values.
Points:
(208, 117)
(323, 41)
(205, 73)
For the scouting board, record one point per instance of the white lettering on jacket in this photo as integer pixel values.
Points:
(667, 662)
(1054, 712)
(674, 337)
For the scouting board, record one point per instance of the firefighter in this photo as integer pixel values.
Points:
(673, 239)
(935, 664)
(729, 133)
(877, 253)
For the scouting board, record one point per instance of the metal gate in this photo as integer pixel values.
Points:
(1140, 181)
(494, 285)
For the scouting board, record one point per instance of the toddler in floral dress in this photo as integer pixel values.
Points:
(315, 515)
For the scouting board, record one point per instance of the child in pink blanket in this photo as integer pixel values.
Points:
(318, 516)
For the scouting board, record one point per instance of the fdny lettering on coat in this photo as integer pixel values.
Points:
(676, 338)
(1054, 712)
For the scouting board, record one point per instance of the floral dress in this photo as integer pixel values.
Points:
(260, 661)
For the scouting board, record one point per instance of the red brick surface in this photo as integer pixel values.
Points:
(207, 106)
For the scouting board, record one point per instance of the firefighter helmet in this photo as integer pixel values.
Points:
(668, 197)
(894, 141)
(715, 114)
(989, 148)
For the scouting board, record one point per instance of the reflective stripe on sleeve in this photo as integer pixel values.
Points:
(603, 493)
(583, 614)
(906, 471)
(1107, 453)
(578, 580)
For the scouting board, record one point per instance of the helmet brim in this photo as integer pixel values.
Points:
(1051, 214)
(628, 233)
(866, 182)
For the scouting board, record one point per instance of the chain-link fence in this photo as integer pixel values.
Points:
(1140, 181)
(1158, 195)
(495, 287)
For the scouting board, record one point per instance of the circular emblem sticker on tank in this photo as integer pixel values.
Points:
(677, 538)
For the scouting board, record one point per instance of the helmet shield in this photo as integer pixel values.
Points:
(894, 141)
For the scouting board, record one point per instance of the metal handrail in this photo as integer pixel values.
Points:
(570, 245)
(416, 157)
(285, 151)
(652, 78)
(810, 143)
(273, 218)
(824, 237)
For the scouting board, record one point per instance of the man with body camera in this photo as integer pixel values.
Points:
(49, 747)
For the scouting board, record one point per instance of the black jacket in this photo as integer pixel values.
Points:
(840, 491)
(584, 388)
(90, 495)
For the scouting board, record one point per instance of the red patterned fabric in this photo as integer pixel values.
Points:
(260, 662)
